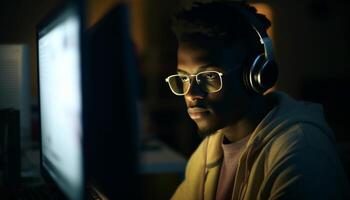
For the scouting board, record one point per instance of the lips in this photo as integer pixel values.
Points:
(197, 112)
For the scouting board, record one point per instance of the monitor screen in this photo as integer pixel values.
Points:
(59, 76)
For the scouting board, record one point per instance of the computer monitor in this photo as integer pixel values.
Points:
(59, 41)
(112, 119)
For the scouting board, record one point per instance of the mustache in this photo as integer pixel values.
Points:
(198, 107)
(199, 104)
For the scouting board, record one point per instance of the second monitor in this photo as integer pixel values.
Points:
(111, 116)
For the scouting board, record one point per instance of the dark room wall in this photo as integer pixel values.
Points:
(18, 19)
(310, 40)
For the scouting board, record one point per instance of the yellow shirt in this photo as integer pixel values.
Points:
(290, 155)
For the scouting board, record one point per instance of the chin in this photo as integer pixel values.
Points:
(205, 130)
(204, 133)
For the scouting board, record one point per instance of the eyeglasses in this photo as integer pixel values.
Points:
(208, 81)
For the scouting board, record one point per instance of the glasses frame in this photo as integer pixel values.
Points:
(197, 81)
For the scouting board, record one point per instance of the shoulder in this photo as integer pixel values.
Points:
(197, 159)
(303, 137)
(190, 188)
(304, 160)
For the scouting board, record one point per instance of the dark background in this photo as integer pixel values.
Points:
(311, 41)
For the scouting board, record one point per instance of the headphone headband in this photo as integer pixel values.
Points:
(259, 29)
(263, 72)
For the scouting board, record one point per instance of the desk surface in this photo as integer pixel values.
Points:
(155, 158)
(160, 158)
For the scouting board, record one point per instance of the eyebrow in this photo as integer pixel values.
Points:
(200, 68)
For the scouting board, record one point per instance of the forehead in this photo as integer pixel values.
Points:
(192, 58)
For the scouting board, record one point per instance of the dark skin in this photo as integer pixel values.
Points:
(233, 110)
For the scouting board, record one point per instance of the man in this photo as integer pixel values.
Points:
(257, 144)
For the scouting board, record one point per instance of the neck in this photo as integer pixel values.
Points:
(246, 125)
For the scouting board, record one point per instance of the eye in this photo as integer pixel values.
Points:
(184, 78)
(210, 76)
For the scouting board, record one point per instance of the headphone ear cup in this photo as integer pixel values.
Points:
(249, 71)
(260, 75)
(268, 75)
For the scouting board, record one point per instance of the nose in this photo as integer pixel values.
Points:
(195, 93)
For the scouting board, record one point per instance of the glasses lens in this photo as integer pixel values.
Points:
(209, 81)
(179, 84)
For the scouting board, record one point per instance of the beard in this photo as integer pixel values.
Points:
(203, 133)
(207, 130)
(209, 124)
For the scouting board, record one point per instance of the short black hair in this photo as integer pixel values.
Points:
(220, 22)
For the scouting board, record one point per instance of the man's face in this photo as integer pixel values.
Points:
(213, 111)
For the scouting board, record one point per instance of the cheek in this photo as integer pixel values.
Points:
(232, 98)
(232, 90)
